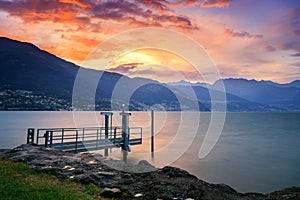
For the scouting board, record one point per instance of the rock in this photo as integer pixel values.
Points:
(225, 188)
(292, 193)
(145, 163)
(176, 172)
(138, 195)
(110, 193)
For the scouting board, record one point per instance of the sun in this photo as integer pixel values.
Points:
(151, 63)
(135, 57)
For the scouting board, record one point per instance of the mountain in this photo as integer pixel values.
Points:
(35, 79)
(186, 83)
(27, 68)
(24, 66)
(284, 96)
(295, 83)
(233, 103)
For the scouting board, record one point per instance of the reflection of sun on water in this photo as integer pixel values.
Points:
(143, 119)
(164, 129)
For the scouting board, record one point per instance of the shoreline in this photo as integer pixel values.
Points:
(163, 183)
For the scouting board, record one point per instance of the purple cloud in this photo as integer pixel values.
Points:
(295, 55)
(242, 34)
(136, 13)
(125, 68)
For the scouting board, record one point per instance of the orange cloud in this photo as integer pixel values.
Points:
(74, 25)
(82, 4)
(77, 55)
(72, 28)
(139, 13)
(216, 3)
(184, 3)
(86, 41)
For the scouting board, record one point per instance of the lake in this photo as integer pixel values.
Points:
(256, 152)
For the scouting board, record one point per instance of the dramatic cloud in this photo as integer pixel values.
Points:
(79, 3)
(32, 11)
(216, 3)
(185, 3)
(160, 6)
(202, 3)
(242, 34)
(263, 35)
(136, 13)
(125, 68)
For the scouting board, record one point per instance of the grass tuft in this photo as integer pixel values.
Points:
(92, 189)
(17, 181)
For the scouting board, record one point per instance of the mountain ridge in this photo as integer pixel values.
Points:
(24, 66)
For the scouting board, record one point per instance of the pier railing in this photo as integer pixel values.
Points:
(86, 138)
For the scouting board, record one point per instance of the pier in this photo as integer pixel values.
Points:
(89, 138)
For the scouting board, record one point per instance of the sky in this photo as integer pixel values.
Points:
(251, 39)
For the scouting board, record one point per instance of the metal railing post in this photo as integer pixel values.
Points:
(62, 135)
(115, 135)
(51, 138)
(30, 136)
(152, 131)
(97, 138)
(46, 135)
(76, 143)
(82, 134)
(37, 136)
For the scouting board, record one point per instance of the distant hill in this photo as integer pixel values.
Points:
(234, 103)
(24, 66)
(284, 96)
(250, 95)
(295, 83)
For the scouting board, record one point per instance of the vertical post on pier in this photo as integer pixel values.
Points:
(76, 141)
(125, 134)
(106, 128)
(152, 133)
(106, 134)
(46, 135)
(51, 138)
(30, 136)
(111, 130)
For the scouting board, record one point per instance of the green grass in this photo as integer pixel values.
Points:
(17, 181)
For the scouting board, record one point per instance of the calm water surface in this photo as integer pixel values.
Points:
(257, 152)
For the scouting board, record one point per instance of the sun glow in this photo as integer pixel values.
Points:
(136, 57)
(152, 63)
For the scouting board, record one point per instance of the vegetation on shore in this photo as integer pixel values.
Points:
(17, 181)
